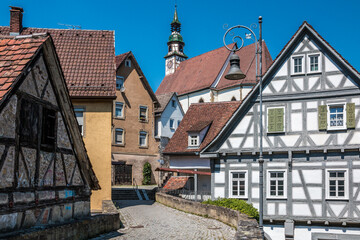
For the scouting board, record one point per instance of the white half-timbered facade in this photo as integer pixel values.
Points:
(311, 141)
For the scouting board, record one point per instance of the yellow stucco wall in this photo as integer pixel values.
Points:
(97, 138)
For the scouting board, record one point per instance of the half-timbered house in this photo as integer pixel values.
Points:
(45, 174)
(311, 140)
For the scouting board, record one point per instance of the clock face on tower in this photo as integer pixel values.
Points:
(170, 63)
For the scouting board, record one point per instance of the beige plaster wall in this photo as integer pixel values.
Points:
(134, 96)
(97, 138)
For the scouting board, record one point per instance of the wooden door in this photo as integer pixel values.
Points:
(123, 174)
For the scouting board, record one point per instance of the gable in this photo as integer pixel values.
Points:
(295, 93)
(47, 166)
(327, 75)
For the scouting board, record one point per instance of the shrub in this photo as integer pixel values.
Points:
(146, 174)
(236, 204)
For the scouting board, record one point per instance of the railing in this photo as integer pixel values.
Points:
(134, 184)
(188, 194)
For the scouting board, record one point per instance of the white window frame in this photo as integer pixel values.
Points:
(268, 172)
(123, 137)
(122, 111)
(119, 78)
(146, 138)
(302, 56)
(198, 139)
(127, 63)
(329, 105)
(172, 126)
(146, 114)
(309, 62)
(327, 184)
(267, 118)
(80, 109)
(246, 184)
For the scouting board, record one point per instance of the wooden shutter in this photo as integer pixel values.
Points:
(271, 120)
(350, 115)
(322, 117)
(279, 119)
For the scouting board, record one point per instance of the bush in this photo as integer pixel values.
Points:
(146, 174)
(236, 204)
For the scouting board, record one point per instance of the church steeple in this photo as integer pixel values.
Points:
(176, 45)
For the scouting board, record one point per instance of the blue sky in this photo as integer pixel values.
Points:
(143, 26)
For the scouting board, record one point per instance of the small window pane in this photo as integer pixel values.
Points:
(143, 113)
(142, 139)
(119, 109)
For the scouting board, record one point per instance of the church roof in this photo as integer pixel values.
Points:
(206, 71)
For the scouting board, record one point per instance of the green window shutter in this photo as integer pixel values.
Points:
(322, 117)
(271, 120)
(350, 115)
(279, 112)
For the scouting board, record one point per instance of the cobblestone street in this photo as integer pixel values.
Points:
(145, 220)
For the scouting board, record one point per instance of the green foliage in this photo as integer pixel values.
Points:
(236, 204)
(146, 174)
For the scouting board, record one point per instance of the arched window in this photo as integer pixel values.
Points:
(180, 48)
(201, 100)
(170, 48)
(233, 98)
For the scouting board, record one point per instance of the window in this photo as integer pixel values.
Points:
(276, 119)
(201, 100)
(128, 63)
(314, 63)
(170, 49)
(143, 113)
(336, 116)
(119, 136)
(276, 184)
(297, 65)
(29, 119)
(172, 124)
(238, 184)
(194, 140)
(119, 109)
(119, 82)
(143, 139)
(173, 103)
(79, 113)
(337, 184)
(180, 49)
(233, 98)
(48, 128)
(178, 123)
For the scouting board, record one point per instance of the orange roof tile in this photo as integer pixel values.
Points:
(13, 61)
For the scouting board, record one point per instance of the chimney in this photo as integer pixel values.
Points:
(16, 20)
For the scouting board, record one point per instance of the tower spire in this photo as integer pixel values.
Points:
(176, 45)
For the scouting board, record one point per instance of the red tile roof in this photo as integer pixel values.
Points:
(15, 54)
(217, 113)
(87, 58)
(120, 58)
(200, 72)
(176, 182)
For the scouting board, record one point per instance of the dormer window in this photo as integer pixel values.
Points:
(194, 140)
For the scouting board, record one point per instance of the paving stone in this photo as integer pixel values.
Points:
(146, 220)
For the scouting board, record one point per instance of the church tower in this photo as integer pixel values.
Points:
(176, 45)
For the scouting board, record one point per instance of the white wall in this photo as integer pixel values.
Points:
(170, 112)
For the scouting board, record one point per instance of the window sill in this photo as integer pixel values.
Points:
(240, 197)
(144, 147)
(143, 121)
(276, 198)
(297, 74)
(314, 73)
(336, 129)
(119, 118)
(337, 199)
(118, 144)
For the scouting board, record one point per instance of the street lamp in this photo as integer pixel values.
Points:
(236, 74)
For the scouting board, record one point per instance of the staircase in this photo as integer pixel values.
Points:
(132, 194)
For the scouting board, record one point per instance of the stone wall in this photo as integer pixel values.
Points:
(247, 228)
(75, 230)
